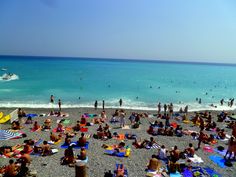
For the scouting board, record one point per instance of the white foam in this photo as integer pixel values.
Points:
(10, 78)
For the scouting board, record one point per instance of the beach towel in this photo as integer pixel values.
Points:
(154, 146)
(208, 149)
(32, 115)
(75, 146)
(83, 129)
(120, 137)
(211, 172)
(84, 161)
(130, 136)
(198, 171)
(176, 174)
(53, 142)
(53, 151)
(218, 160)
(173, 124)
(196, 159)
(37, 143)
(55, 130)
(35, 130)
(187, 173)
(126, 127)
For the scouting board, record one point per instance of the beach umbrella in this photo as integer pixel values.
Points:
(6, 135)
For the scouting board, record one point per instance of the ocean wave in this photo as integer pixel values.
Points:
(128, 104)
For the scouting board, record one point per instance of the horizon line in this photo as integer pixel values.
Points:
(125, 59)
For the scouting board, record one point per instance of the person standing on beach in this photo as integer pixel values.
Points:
(96, 105)
(59, 105)
(103, 105)
(165, 108)
(159, 108)
(120, 101)
(122, 118)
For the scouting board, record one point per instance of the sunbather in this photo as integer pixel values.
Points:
(68, 156)
(54, 137)
(60, 127)
(47, 124)
(36, 126)
(15, 125)
(46, 149)
(190, 150)
(154, 164)
(77, 126)
(82, 155)
(82, 140)
(120, 172)
(175, 154)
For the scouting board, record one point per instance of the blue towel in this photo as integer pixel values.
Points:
(75, 146)
(176, 174)
(211, 172)
(218, 160)
(187, 173)
(126, 171)
(31, 115)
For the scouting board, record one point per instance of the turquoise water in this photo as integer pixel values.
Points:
(141, 85)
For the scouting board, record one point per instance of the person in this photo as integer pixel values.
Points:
(154, 164)
(47, 124)
(52, 99)
(82, 140)
(222, 101)
(26, 147)
(15, 125)
(120, 102)
(36, 126)
(162, 153)
(231, 148)
(190, 150)
(234, 129)
(82, 155)
(222, 134)
(165, 108)
(25, 158)
(11, 169)
(159, 108)
(46, 149)
(29, 120)
(77, 126)
(202, 137)
(96, 105)
(68, 156)
(122, 118)
(59, 105)
(103, 105)
(60, 127)
(21, 113)
(175, 154)
(67, 140)
(120, 172)
(132, 117)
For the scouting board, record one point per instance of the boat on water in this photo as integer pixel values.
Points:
(9, 76)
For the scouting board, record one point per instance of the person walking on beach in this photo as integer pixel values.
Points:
(165, 108)
(120, 101)
(159, 108)
(122, 118)
(103, 105)
(59, 105)
(96, 105)
(52, 99)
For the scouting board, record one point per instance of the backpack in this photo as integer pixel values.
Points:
(228, 163)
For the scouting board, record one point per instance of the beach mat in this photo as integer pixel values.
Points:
(218, 160)
(83, 129)
(120, 137)
(208, 149)
(196, 159)
(54, 151)
(176, 174)
(75, 146)
(32, 115)
(114, 153)
(154, 146)
(84, 161)
(211, 172)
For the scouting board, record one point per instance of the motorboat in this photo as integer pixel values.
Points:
(3, 69)
(9, 76)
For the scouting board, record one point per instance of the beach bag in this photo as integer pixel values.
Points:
(228, 163)
(220, 148)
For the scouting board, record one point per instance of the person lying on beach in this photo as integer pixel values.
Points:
(36, 126)
(27, 147)
(60, 127)
(54, 137)
(154, 164)
(82, 140)
(15, 125)
(178, 131)
(82, 155)
(144, 143)
(77, 126)
(47, 124)
(169, 131)
(68, 156)
(7, 150)
(120, 172)
(29, 120)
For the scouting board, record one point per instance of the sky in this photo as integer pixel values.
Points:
(179, 30)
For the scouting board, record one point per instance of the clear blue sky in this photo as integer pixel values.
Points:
(186, 30)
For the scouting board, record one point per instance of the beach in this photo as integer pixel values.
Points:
(98, 162)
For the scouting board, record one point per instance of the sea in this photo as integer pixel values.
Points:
(141, 84)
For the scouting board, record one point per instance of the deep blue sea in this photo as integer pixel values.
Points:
(78, 82)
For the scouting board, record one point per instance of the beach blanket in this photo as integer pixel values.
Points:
(55, 130)
(187, 173)
(218, 160)
(208, 149)
(126, 127)
(37, 143)
(83, 129)
(211, 172)
(176, 174)
(154, 146)
(130, 136)
(112, 152)
(32, 115)
(56, 115)
(84, 161)
(75, 145)
(196, 159)
(53, 142)
(53, 151)
(119, 137)
(35, 130)
(223, 153)
(64, 121)
(198, 171)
